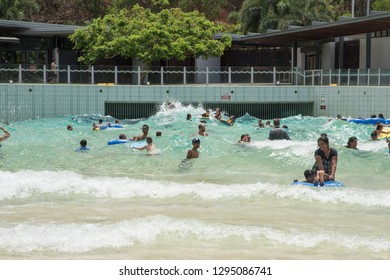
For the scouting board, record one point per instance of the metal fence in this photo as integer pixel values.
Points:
(264, 110)
(124, 75)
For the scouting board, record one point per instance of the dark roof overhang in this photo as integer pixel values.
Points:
(24, 28)
(303, 36)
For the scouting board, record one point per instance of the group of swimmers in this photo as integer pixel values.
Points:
(325, 165)
(149, 146)
(218, 115)
(324, 168)
(379, 131)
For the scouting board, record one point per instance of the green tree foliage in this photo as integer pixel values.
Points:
(153, 5)
(252, 12)
(149, 37)
(17, 9)
(211, 9)
(381, 5)
(70, 11)
(300, 13)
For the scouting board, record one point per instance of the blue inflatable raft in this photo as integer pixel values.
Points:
(372, 121)
(110, 126)
(328, 184)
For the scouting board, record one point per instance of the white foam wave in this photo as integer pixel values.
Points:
(24, 184)
(79, 238)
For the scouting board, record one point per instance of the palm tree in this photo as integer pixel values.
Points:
(260, 15)
(253, 13)
(303, 12)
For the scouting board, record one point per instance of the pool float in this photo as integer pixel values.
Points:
(384, 135)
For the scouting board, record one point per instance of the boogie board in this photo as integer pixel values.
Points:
(225, 120)
(118, 141)
(328, 184)
(138, 144)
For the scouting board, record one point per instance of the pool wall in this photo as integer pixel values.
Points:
(31, 101)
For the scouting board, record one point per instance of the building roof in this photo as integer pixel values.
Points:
(302, 36)
(26, 28)
(318, 31)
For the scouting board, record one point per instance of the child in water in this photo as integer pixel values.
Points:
(149, 147)
(194, 153)
(314, 177)
(83, 146)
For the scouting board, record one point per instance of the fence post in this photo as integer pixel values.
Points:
(207, 75)
(358, 77)
(304, 77)
(230, 75)
(330, 76)
(322, 76)
(92, 75)
(68, 74)
(349, 76)
(368, 76)
(162, 75)
(20, 73)
(252, 80)
(312, 77)
(379, 77)
(116, 75)
(274, 75)
(184, 75)
(339, 78)
(139, 75)
(44, 74)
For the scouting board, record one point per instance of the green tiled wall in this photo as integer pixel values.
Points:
(30, 101)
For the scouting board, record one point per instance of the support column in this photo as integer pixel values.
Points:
(368, 50)
(341, 52)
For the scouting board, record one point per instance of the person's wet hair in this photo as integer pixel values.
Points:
(350, 140)
(195, 140)
(323, 139)
(307, 173)
(379, 126)
(83, 143)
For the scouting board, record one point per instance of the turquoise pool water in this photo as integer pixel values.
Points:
(234, 202)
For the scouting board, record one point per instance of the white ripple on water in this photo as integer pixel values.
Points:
(24, 184)
(78, 238)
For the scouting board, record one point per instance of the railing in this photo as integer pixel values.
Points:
(124, 75)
